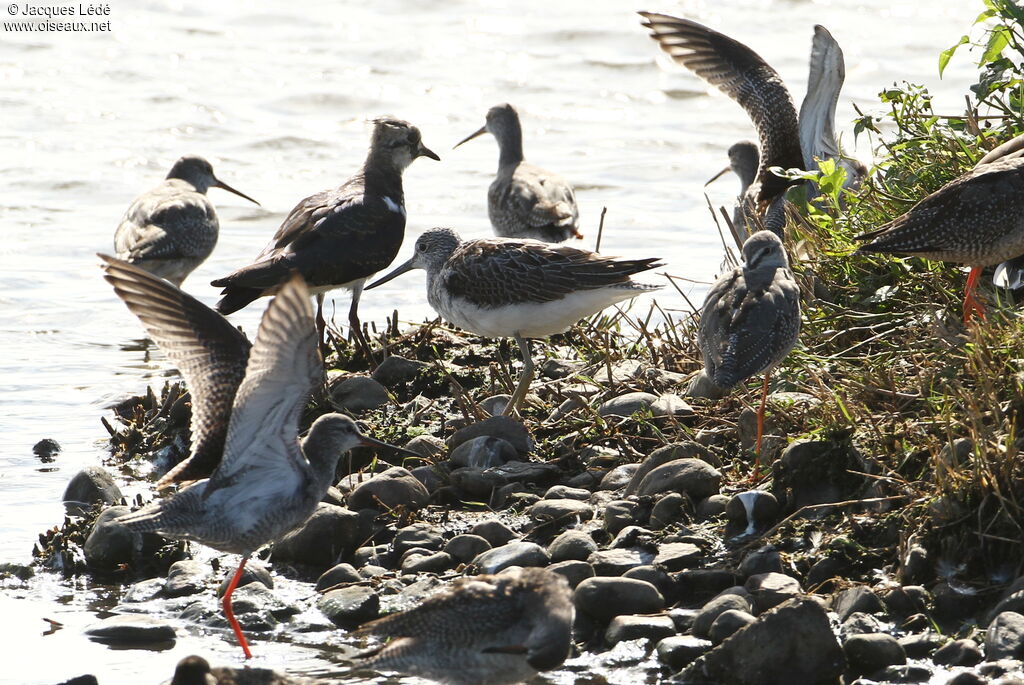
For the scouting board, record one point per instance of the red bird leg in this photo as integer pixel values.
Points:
(226, 603)
(760, 425)
(971, 303)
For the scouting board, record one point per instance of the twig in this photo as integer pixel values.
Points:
(600, 230)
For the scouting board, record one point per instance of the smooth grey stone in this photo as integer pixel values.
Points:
(256, 598)
(358, 393)
(512, 554)
(727, 623)
(328, 534)
(350, 606)
(771, 589)
(1012, 599)
(964, 652)
(670, 508)
(524, 471)
(702, 584)
(675, 451)
(710, 507)
(429, 476)
(859, 623)
(823, 573)
(186, 577)
(395, 369)
(920, 645)
(495, 404)
(572, 545)
(573, 570)
(679, 650)
(432, 563)
(564, 492)
(761, 560)
(425, 535)
(372, 571)
(711, 610)
(904, 673)
(695, 477)
(130, 629)
(858, 598)
(110, 544)
(906, 600)
(482, 452)
(675, 556)
(338, 574)
(792, 643)
(627, 404)
(466, 547)
(46, 450)
(657, 577)
(615, 562)
(254, 572)
(869, 653)
(619, 514)
(566, 511)
(503, 427)
(392, 488)
(427, 446)
(618, 477)
(671, 405)
(623, 628)
(966, 678)
(605, 598)
(378, 555)
(1004, 638)
(92, 485)
(494, 531)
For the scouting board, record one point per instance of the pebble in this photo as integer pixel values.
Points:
(606, 598)
(566, 512)
(622, 628)
(675, 556)
(424, 535)
(679, 650)
(427, 446)
(511, 554)
(686, 449)
(392, 488)
(348, 607)
(130, 629)
(762, 560)
(669, 405)
(1004, 638)
(792, 643)
(504, 427)
(670, 508)
(395, 370)
(257, 599)
(110, 544)
(572, 545)
(727, 623)
(695, 477)
(615, 562)
(712, 507)
(1012, 599)
(328, 534)
(966, 678)
(358, 393)
(494, 531)
(733, 599)
(46, 449)
(626, 405)
(428, 563)
(619, 477)
(858, 598)
(337, 575)
(619, 514)
(573, 570)
(92, 485)
(952, 604)
(430, 476)
(464, 548)
(906, 600)
(771, 589)
(869, 653)
(482, 452)
(964, 652)
(920, 645)
(186, 577)
(859, 623)
(565, 492)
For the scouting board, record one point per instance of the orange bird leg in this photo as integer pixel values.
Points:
(971, 303)
(760, 425)
(226, 603)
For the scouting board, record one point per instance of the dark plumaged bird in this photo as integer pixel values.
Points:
(498, 287)
(525, 201)
(173, 228)
(976, 219)
(266, 482)
(750, 319)
(486, 630)
(338, 238)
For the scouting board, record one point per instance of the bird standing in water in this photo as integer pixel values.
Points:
(498, 287)
(173, 228)
(338, 238)
(525, 201)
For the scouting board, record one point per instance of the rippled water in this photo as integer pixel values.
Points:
(277, 96)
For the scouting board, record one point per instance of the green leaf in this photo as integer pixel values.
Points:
(987, 14)
(947, 54)
(998, 39)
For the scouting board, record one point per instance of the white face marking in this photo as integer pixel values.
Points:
(394, 206)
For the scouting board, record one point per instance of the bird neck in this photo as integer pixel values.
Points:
(382, 177)
(322, 456)
(510, 143)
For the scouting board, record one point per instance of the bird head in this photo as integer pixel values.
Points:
(764, 249)
(198, 172)
(398, 142)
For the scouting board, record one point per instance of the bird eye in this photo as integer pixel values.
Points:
(422, 247)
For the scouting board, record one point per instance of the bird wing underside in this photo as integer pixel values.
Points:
(818, 109)
(981, 206)
(210, 353)
(744, 76)
(493, 272)
(262, 439)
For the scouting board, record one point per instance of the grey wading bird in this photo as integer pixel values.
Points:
(750, 320)
(499, 287)
(485, 630)
(173, 228)
(525, 201)
(267, 482)
(338, 238)
(786, 140)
